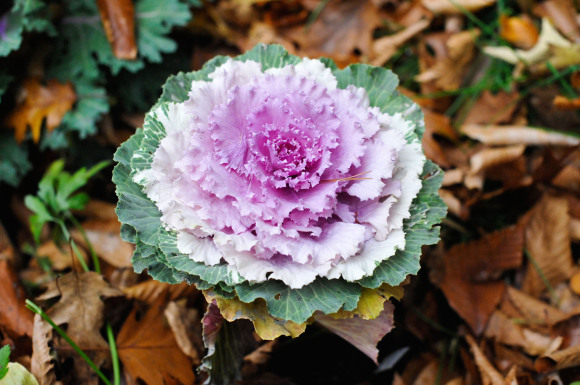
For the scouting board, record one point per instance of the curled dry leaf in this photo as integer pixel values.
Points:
(548, 244)
(518, 30)
(564, 103)
(575, 232)
(470, 279)
(453, 176)
(118, 17)
(186, 326)
(385, 47)
(15, 318)
(558, 360)
(41, 364)
(564, 16)
(454, 204)
(535, 313)
(568, 178)
(455, 7)
(488, 372)
(506, 135)
(361, 333)
(148, 349)
(38, 102)
(451, 63)
(489, 157)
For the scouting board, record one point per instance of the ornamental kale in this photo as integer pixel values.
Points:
(270, 176)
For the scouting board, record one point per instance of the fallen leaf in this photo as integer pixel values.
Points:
(361, 333)
(558, 360)
(186, 326)
(454, 204)
(341, 30)
(41, 364)
(456, 7)
(518, 30)
(470, 280)
(548, 38)
(488, 372)
(105, 238)
(565, 103)
(148, 349)
(505, 135)
(52, 102)
(489, 157)
(568, 178)
(80, 306)
(453, 176)
(533, 312)
(118, 17)
(428, 374)
(563, 14)
(493, 108)
(267, 326)
(15, 318)
(150, 291)
(6, 249)
(385, 47)
(371, 302)
(548, 244)
(61, 258)
(450, 65)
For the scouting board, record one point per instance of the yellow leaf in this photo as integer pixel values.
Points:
(39, 102)
(520, 31)
(267, 326)
(371, 302)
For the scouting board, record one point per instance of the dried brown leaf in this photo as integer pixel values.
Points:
(15, 318)
(80, 306)
(150, 291)
(456, 7)
(563, 15)
(148, 349)
(487, 370)
(385, 47)
(342, 29)
(532, 311)
(41, 365)
(493, 108)
(6, 249)
(118, 17)
(489, 157)
(61, 258)
(105, 238)
(39, 102)
(548, 244)
(471, 271)
(504, 135)
(186, 326)
(568, 178)
(564, 103)
(559, 360)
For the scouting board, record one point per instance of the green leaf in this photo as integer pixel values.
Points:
(25, 15)
(14, 162)
(4, 360)
(18, 375)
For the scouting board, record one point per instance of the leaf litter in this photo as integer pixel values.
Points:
(498, 300)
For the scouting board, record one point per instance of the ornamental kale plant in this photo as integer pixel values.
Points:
(267, 176)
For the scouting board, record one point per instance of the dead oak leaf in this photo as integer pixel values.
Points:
(341, 30)
(39, 102)
(149, 351)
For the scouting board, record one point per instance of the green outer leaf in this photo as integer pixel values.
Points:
(14, 162)
(25, 15)
(156, 247)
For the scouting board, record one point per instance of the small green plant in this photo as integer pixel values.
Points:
(57, 196)
(4, 359)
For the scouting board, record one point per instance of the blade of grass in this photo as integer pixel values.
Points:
(114, 355)
(95, 258)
